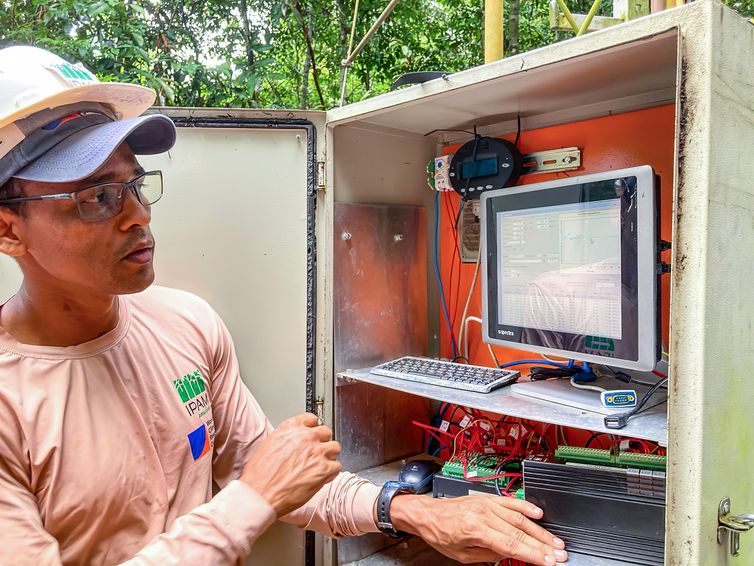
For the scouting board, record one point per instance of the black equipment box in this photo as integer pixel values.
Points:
(447, 486)
(614, 513)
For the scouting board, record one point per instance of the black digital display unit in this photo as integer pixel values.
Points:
(484, 164)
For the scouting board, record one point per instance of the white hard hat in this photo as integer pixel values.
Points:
(32, 79)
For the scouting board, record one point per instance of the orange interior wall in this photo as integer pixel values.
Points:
(643, 137)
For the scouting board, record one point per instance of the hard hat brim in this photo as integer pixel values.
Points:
(126, 100)
(83, 153)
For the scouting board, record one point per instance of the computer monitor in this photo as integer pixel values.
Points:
(570, 268)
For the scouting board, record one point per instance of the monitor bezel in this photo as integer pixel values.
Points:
(647, 267)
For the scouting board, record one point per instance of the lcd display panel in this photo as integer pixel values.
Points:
(479, 168)
(570, 268)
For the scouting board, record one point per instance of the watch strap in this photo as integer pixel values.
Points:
(385, 498)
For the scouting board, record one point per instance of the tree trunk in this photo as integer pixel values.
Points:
(307, 31)
(514, 11)
(247, 34)
(305, 84)
(343, 21)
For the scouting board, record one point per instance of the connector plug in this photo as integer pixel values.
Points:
(616, 421)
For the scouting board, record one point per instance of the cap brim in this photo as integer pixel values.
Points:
(126, 100)
(81, 154)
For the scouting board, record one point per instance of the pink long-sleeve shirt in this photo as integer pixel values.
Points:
(109, 449)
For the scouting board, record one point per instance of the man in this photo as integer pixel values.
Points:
(99, 461)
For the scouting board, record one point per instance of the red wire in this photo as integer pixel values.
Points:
(432, 430)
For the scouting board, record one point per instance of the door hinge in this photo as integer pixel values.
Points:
(730, 526)
(319, 408)
(321, 175)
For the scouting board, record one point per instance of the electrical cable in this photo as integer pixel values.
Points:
(593, 438)
(621, 420)
(448, 202)
(545, 362)
(468, 299)
(589, 387)
(465, 343)
(439, 279)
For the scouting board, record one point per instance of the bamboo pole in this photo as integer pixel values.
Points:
(493, 30)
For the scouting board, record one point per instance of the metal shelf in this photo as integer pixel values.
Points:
(651, 425)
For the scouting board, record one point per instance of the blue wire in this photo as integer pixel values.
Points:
(438, 449)
(444, 410)
(439, 279)
(543, 362)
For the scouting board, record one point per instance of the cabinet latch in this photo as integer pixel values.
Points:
(730, 526)
(321, 176)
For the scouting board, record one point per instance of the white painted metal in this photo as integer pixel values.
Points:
(712, 314)
(232, 228)
(576, 79)
(651, 425)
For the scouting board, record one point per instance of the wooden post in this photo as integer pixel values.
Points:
(493, 30)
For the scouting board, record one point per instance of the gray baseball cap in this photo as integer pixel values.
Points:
(72, 143)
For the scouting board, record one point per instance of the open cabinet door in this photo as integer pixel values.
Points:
(236, 226)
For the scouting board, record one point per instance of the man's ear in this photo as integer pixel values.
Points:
(10, 244)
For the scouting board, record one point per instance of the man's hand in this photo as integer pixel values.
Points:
(478, 528)
(293, 463)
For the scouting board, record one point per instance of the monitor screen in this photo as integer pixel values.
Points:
(570, 268)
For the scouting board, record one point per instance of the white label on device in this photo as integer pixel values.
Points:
(444, 426)
(465, 421)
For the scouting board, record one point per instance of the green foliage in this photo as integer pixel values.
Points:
(267, 53)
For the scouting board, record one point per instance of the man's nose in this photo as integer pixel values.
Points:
(134, 213)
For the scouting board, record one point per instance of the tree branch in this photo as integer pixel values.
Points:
(310, 51)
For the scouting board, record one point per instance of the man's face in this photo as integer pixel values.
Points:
(109, 257)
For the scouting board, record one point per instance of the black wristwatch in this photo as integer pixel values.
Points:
(390, 490)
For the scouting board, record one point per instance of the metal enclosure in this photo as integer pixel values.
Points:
(244, 189)
(697, 58)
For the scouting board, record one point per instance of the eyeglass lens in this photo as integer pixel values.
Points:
(105, 201)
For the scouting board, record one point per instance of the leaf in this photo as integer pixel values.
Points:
(165, 87)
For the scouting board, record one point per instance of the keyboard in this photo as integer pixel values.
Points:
(447, 374)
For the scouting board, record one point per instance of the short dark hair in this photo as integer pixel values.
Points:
(12, 188)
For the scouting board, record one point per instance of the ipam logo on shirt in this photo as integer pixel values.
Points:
(193, 393)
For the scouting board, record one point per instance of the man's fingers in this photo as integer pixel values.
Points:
(323, 433)
(331, 449)
(514, 543)
(302, 419)
(520, 521)
(524, 507)
(308, 419)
